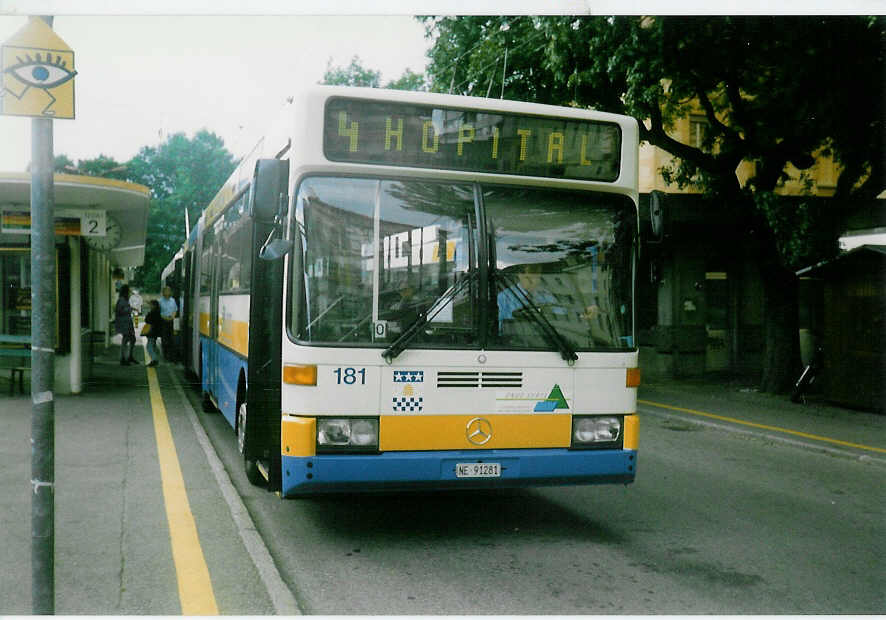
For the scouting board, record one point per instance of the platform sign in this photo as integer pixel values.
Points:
(37, 73)
(71, 222)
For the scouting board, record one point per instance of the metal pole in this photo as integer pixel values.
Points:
(43, 328)
(504, 70)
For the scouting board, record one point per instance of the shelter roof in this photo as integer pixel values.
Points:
(127, 202)
(877, 249)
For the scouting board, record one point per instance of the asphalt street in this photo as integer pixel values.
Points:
(744, 503)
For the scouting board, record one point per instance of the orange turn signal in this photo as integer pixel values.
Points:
(633, 378)
(300, 374)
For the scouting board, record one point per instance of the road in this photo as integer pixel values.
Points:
(717, 522)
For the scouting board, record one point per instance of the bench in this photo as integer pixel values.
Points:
(20, 353)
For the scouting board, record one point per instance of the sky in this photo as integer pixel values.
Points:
(142, 78)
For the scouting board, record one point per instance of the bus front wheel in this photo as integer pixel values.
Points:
(250, 464)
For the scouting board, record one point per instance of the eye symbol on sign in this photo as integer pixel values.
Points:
(41, 73)
(479, 431)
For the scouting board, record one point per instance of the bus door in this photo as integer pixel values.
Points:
(214, 377)
(262, 433)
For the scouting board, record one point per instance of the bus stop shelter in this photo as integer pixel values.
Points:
(851, 329)
(100, 226)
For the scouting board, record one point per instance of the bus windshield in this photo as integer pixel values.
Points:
(382, 261)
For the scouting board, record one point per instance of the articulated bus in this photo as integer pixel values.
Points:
(172, 273)
(402, 290)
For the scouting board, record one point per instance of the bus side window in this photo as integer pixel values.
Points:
(206, 263)
(236, 248)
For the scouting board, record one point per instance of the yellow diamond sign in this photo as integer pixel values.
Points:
(37, 73)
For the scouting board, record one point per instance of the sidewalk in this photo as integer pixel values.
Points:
(112, 537)
(740, 400)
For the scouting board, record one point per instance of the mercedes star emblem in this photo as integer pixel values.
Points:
(479, 431)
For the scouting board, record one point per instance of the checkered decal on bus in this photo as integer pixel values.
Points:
(408, 403)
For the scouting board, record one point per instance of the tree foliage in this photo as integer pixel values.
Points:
(773, 91)
(357, 75)
(409, 81)
(352, 75)
(101, 166)
(184, 174)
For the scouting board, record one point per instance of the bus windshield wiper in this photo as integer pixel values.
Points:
(566, 350)
(426, 316)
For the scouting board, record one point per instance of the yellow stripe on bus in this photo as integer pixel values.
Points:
(631, 432)
(298, 436)
(232, 333)
(235, 335)
(450, 432)
(194, 586)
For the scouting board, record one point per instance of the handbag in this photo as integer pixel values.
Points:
(146, 330)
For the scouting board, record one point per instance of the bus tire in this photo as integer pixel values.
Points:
(250, 465)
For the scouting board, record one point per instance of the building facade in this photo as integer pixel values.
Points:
(700, 293)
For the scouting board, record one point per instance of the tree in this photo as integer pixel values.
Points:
(184, 175)
(774, 90)
(408, 81)
(352, 75)
(356, 75)
(62, 163)
(101, 166)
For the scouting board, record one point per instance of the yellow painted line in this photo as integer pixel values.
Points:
(194, 585)
(767, 427)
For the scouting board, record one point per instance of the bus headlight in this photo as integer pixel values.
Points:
(347, 434)
(596, 431)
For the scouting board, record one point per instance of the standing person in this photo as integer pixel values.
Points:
(124, 327)
(135, 300)
(153, 322)
(168, 310)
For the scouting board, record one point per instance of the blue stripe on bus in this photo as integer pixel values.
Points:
(224, 390)
(436, 470)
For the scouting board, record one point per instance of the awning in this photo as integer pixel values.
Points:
(125, 202)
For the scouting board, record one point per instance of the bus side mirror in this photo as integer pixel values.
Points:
(269, 183)
(656, 215)
(274, 249)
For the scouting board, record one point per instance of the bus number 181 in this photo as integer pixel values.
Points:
(349, 376)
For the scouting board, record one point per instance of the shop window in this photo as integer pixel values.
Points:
(15, 296)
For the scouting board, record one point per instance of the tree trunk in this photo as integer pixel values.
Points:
(781, 356)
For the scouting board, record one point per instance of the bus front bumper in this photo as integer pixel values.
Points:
(331, 473)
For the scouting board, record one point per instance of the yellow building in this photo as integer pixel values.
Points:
(822, 176)
(700, 294)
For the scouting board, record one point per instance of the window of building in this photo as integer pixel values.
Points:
(15, 294)
(697, 128)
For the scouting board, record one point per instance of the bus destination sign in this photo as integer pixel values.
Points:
(403, 134)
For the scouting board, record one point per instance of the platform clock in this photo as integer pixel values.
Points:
(111, 240)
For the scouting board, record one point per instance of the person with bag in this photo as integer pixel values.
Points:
(151, 331)
(168, 310)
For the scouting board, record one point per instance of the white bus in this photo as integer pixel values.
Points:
(401, 290)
